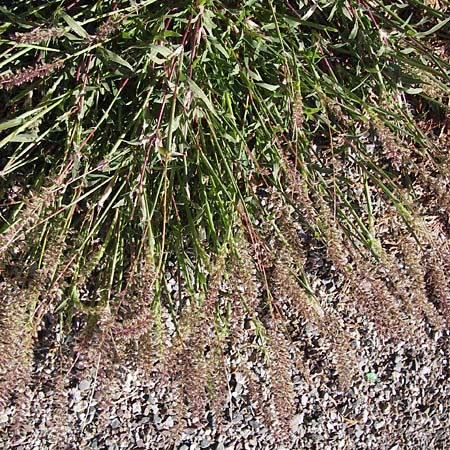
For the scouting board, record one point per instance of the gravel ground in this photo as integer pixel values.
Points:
(399, 399)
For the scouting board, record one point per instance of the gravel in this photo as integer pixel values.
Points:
(406, 406)
(399, 398)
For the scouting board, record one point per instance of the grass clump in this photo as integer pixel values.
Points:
(167, 166)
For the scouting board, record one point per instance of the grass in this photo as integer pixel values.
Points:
(172, 162)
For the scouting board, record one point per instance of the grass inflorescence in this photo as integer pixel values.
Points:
(166, 167)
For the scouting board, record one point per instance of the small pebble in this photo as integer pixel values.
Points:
(137, 408)
(380, 424)
(115, 423)
(84, 385)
